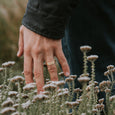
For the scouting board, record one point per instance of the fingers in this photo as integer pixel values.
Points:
(38, 74)
(51, 68)
(21, 43)
(63, 62)
(28, 67)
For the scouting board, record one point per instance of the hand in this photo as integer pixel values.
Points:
(37, 49)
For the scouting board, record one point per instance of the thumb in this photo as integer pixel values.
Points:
(20, 43)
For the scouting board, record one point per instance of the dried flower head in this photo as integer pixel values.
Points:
(73, 76)
(26, 105)
(83, 79)
(85, 48)
(107, 90)
(84, 75)
(8, 64)
(77, 90)
(110, 67)
(112, 98)
(7, 103)
(61, 74)
(92, 58)
(16, 106)
(106, 73)
(1, 69)
(101, 100)
(7, 110)
(94, 110)
(12, 93)
(50, 87)
(72, 104)
(69, 79)
(30, 86)
(17, 78)
(79, 100)
(40, 97)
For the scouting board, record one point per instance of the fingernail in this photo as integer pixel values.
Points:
(17, 53)
(67, 74)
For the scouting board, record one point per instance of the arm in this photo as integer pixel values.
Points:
(40, 38)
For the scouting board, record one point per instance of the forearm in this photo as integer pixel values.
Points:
(48, 17)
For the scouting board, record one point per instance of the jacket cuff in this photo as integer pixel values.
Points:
(44, 24)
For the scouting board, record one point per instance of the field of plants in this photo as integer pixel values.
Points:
(18, 98)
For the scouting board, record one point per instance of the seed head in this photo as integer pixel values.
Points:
(107, 90)
(12, 93)
(50, 87)
(1, 69)
(85, 48)
(26, 105)
(29, 87)
(17, 78)
(7, 110)
(61, 74)
(112, 98)
(92, 58)
(101, 100)
(77, 90)
(7, 103)
(8, 64)
(94, 110)
(73, 76)
(69, 79)
(110, 67)
(16, 106)
(83, 79)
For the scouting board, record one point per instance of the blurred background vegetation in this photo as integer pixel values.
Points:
(11, 13)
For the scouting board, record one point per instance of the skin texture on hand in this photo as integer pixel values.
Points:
(36, 50)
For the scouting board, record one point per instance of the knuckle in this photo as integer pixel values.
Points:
(26, 72)
(37, 74)
(52, 68)
(36, 50)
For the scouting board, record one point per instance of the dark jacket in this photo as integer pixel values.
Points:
(48, 17)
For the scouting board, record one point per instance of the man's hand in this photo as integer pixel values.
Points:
(38, 49)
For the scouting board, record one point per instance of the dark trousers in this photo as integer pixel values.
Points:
(92, 23)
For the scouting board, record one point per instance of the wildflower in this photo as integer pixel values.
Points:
(83, 79)
(110, 67)
(107, 90)
(92, 58)
(73, 76)
(26, 105)
(25, 96)
(12, 93)
(29, 87)
(106, 73)
(1, 69)
(17, 78)
(69, 79)
(72, 104)
(17, 113)
(112, 98)
(7, 110)
(61, 74)
(85, 48)
(7, 103)
(46, 92)
(60, 83)
(101, 100)
(8, 64)
(84, 75)
(79, 100)
(94, 110)
(40, 97)
(77, 90)
(50, 87)
(83, 114)
(15, 106)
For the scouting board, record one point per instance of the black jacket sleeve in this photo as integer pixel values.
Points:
(48, 17)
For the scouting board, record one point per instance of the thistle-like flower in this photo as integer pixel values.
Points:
(26, 105)
(7, 110)
(29, 87)
(7, 103)
(12, 93)
(83, 79)
(8, 64)
(92, 58)
(85, 48)
(17, 78)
